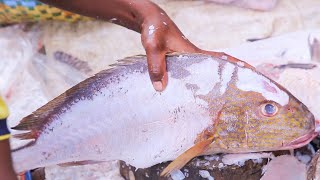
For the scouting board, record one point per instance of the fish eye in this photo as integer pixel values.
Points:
(269, 109)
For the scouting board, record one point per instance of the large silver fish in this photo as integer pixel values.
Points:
(211, 105)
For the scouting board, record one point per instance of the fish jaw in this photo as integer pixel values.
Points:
(305, 139)
(301, 141)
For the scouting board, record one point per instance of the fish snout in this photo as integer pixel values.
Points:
(317, 126)
(308, 118)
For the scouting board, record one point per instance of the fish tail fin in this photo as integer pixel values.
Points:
(32, 123)
(25, 136)
(184, 158)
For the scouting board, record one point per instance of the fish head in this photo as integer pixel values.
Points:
(262, 116)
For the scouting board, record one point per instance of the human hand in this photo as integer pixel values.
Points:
(160, 36)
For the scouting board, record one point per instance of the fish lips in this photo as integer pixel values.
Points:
(305, 139)
(302, 141)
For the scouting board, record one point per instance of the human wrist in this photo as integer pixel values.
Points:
(149, 13)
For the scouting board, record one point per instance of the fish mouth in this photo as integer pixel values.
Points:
(305, 139)
(301, 141)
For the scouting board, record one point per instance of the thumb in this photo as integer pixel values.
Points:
(157, 68)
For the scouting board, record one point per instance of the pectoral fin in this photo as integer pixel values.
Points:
(184, 158)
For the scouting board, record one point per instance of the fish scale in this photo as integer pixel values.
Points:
(205, 109)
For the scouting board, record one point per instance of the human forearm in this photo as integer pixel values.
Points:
(6, 171)
(127, 13)
(159, 34)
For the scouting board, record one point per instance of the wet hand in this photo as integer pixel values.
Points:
(160, 36)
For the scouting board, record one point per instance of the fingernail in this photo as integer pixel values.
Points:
(157, 85)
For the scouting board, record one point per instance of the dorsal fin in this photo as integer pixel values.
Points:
(35, 122)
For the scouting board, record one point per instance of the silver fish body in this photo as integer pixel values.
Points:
(117, 115)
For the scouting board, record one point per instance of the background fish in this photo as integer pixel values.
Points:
(211, 105)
